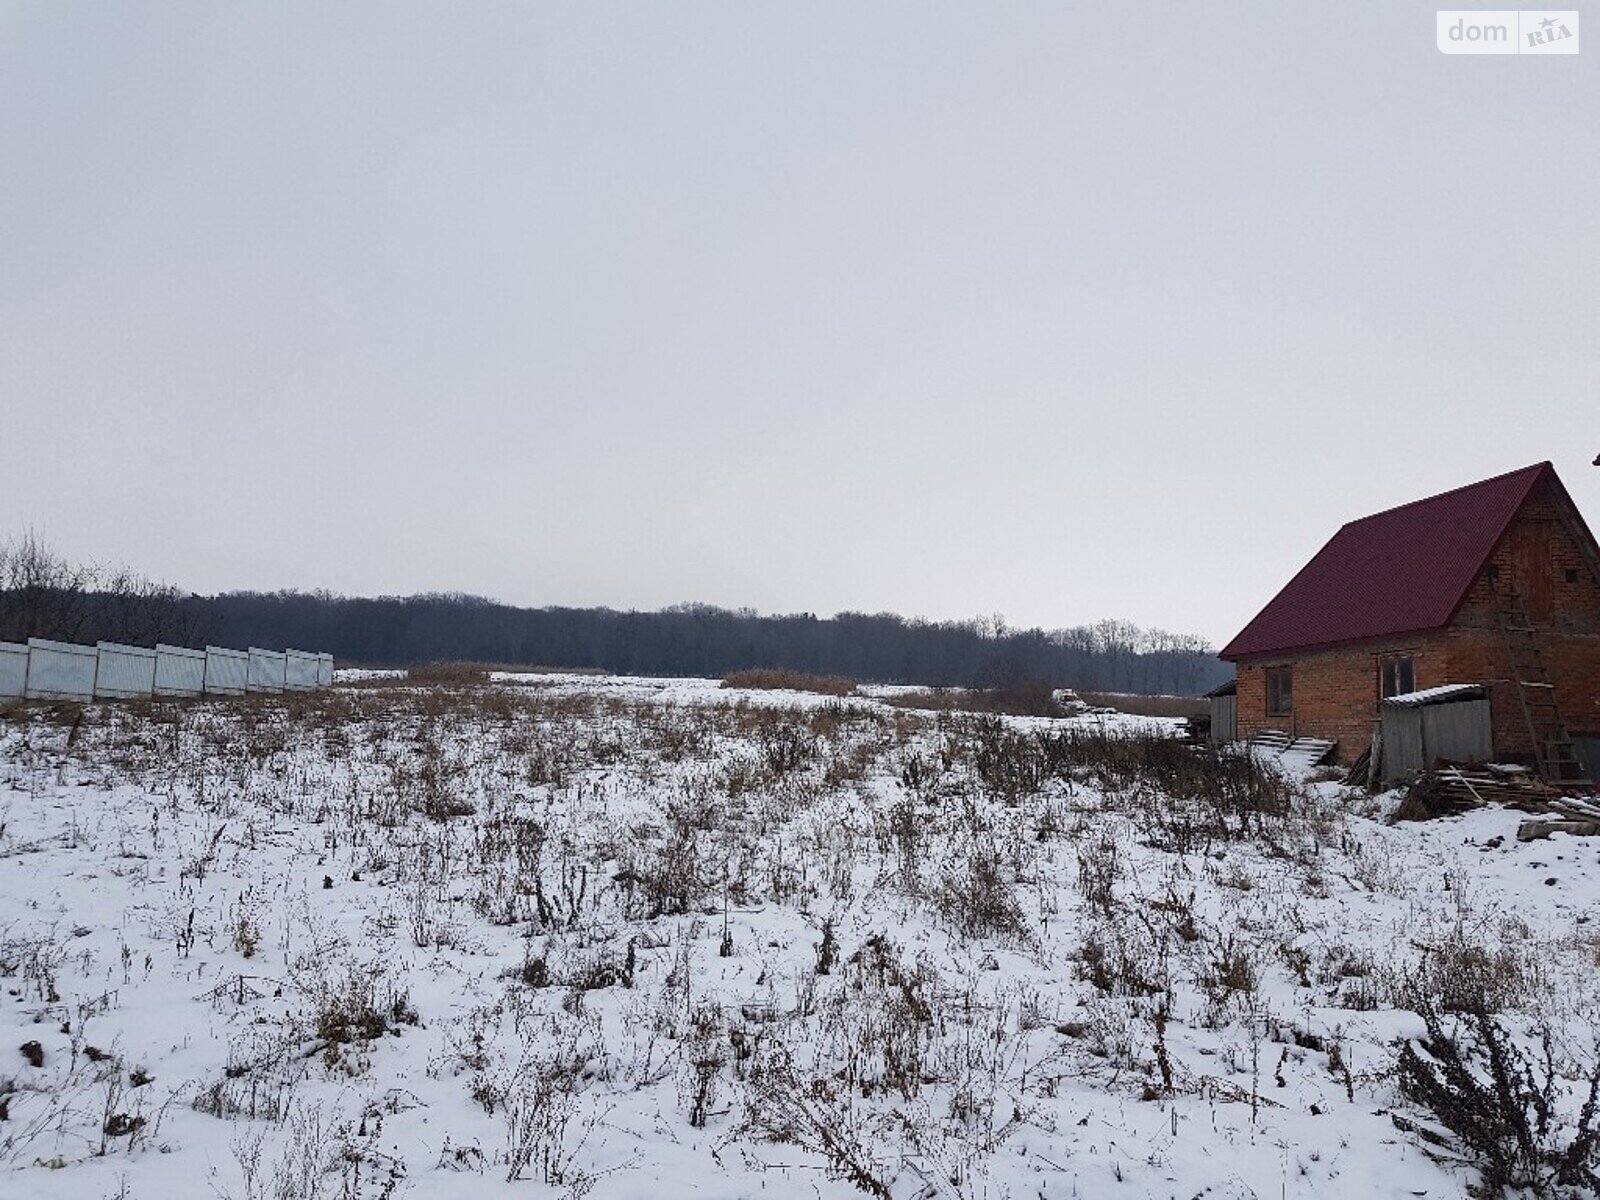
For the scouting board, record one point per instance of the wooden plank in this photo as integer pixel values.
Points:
(1530, 831)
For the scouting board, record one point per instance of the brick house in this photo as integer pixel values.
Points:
(1496, 583)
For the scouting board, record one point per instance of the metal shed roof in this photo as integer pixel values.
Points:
(1443, 694)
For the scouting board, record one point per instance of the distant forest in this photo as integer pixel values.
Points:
(42, 595)
(698, 639)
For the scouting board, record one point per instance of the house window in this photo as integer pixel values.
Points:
(1397, 676)
(1491, 573)
(1572, 574)
(1280, 691)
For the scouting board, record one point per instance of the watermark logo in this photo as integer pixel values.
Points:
(1506, 31)
(1552, 33)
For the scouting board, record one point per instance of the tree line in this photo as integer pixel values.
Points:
(703, 640)
(43, 595)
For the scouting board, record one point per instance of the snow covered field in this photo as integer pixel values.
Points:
(577, 935)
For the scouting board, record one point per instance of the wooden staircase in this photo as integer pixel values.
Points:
(1290, 751)
(1552, 744)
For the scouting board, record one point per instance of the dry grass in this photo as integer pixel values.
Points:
(460, 674)
(934, 700)
(536, 669)
(973, 823)
(1024, 699)
(449, 674)
(1148, 706)
(776, 679)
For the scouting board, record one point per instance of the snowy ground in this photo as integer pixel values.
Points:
(573, 935)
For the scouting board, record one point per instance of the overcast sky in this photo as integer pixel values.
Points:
(1055, 310)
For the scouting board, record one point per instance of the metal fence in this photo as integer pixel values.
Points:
(47, 670)
(227, 671)
(124, 672)
(267, 670)
(301, 671)
(179, 671)
(13, 668)
(60, 670)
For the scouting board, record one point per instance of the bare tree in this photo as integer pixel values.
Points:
(43, 594)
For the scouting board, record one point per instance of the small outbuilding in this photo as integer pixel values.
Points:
(1224, 701)
(1452, 723)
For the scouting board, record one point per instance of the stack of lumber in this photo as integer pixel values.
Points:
(1492, 785)
(1448, 790)
(1576, 815)
(1290, 752)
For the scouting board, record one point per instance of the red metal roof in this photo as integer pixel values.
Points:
(1396, 572)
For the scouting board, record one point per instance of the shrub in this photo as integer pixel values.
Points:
(1099, 868)
(582, 971)
(1500, 1108)
(1228, 971)
(449, 674)
(1023, 698)
(1121, 959)
(1149, 706)
(979, 898)
(783, 1106)
(1010, 763)
(1198, 793)
(886, 1011)
(661, 878)
(355, 1017)
(1462, 976)
(356, 1007)
(786, 748)
(776, 679)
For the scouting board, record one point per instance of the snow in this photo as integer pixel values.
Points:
(186, 887)
(1443, 692)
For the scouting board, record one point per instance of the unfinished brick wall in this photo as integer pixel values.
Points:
(1479, 655)
(1536, 555)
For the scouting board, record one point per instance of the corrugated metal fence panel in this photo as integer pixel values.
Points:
(227, 671)
(1459, 732)
(180, 671)
(1224, 719)
(124, 672)
(300, 670)
(60, 670)
(324, 670)
(13, 670)
(1402, 741)
(267, 668)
